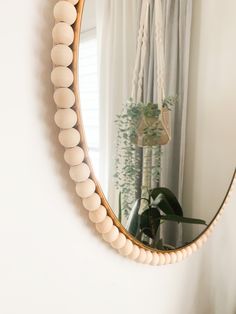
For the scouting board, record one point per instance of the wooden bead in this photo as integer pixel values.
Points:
(62, 55)
(162, 259)
(199, 243)
(179, 256)
(127, 249)
(65, 118)
(142, 256)
(111, 235)
(63, 34)
(167, 258)
(149, 257)
(69, 138)
(105, 225)
(189, 250)
(64, 11)
(85, 189)
(204, 238)
(74, 156)
(62, 77)
(98, 215)
(92, 202)
(64, 98)
(194, 247)
(173, 257)
(155, 259)
(135, 253)
(119, 242)
(74, 2)
(80, 173)
(184, 252)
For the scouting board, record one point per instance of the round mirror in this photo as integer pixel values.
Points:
(158, 131)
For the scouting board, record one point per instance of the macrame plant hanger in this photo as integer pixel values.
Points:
(162, 122)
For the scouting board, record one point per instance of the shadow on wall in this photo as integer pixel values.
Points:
(42, 36)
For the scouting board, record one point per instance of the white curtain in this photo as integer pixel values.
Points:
(117, 27)
(116, 34)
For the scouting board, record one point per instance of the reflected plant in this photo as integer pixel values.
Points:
(161, 206)
(128, 162)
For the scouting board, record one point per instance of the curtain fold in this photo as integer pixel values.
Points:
(117, 22)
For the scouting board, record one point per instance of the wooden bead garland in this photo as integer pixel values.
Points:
(66, 118)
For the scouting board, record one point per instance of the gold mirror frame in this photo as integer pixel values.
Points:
(65, 56)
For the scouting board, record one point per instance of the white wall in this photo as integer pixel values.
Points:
(51, 259)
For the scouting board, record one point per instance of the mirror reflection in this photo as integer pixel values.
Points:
(151, 141)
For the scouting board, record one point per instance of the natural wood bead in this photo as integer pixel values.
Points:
(119, 242)
(86, 188)
(111, 235)
(167, 258)
(142, 256)
(64, 11)
(63, 33)
(74, 2)
(189, 250)
(184, 252)
(62, 55)
(194, 247)
(80, 173)
(204, 238)
(64, 98)
(65, 118)
(74, 156)
(179, 256)
(155, 259)
(69, 138)
(62, 77)
(173, 257)
(148, 257)
(127, 249)
(105, 225)
(162, 259)
(98, 215)
(199, 243)
(135, 253)
(92, 202)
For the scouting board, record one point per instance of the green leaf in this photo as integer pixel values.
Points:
(169, 203)
(150, 222)
(183, 219)
(132, 225)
